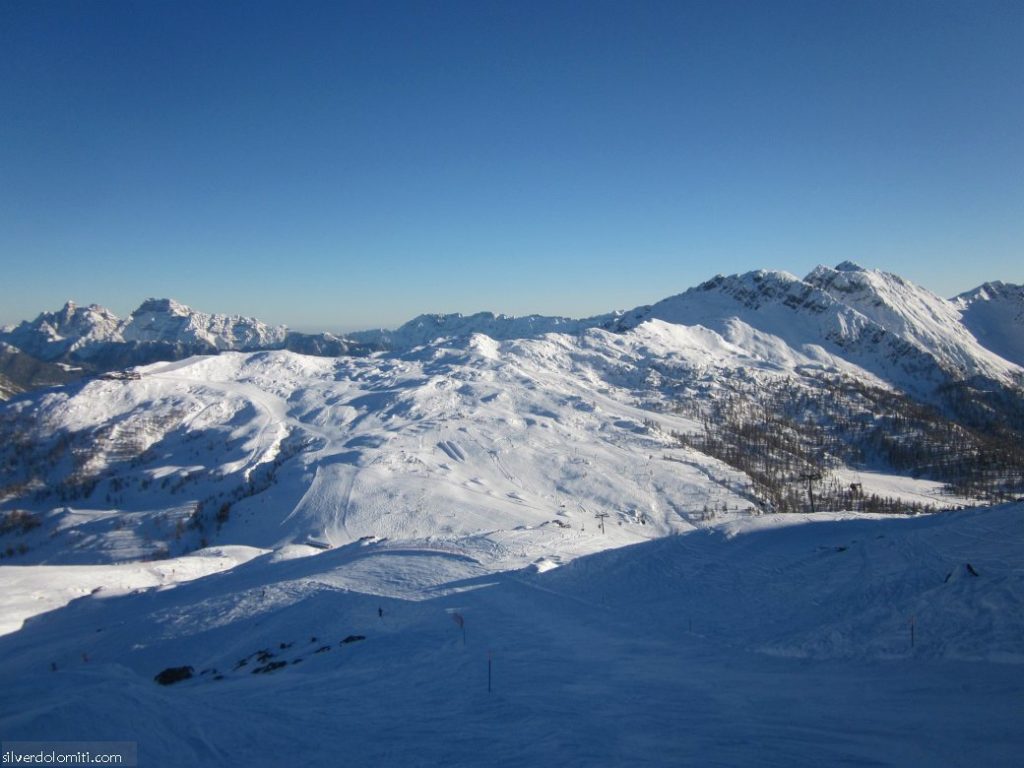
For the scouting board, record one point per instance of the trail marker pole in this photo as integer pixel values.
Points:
(458, 619)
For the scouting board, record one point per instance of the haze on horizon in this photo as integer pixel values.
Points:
(351, 165)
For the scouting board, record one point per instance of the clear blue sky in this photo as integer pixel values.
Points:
(345, 165)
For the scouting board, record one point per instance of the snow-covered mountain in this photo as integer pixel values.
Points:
(928, 322)
(304, 533)
(846, 318)
(872, 320)
(70, 330)
(506, 449)
(83, 333)
(645, 412)
(652, 415)
(503, 441)
(994, 313)
(94, 340)
(166, 321)
(427, 328)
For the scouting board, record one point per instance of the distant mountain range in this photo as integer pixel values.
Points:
(878, 321)
(79, 341)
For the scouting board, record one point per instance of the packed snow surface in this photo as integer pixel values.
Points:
(774, 640)
(28, 590)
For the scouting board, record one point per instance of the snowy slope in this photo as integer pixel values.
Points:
(775, 315)
(994, 313)
(772, 641)
(486, 444)
(510, 447)
(929, 322)
(8, 388)
(23, 373)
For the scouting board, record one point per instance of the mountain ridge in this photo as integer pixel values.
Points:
(93, 340)
(860, 304)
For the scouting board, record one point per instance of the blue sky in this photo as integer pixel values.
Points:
(347, 165)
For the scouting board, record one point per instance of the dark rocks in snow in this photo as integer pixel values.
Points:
(173, 675)
(971, 571)
(352, 639)
(269, 667)
(262, 656)
(322, 648)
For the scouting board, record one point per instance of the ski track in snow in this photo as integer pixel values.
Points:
(781, 641)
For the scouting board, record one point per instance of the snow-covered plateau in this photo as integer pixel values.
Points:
(768, 521)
